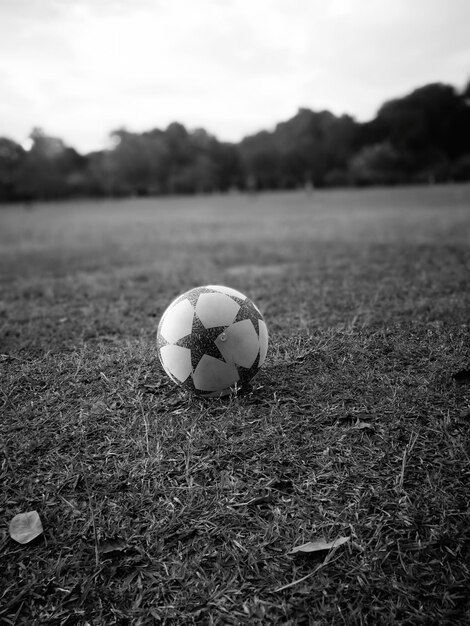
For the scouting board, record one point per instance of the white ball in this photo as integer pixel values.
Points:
(212, 340)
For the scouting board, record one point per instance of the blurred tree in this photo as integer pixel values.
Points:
(379, 164)
(466, 93)
(301, 151)
(39, 176)
(315, 144)
(430, 126)
(169, 161)
(137, 165)
(193, 167)
(11, 157)
(51, 170)
(74, 171)
(228, 167)
(260, 161)
(461, 169)
(421, 137)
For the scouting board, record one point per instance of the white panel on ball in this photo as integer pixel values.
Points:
(216, 309)
(228, 290)
(177, 361)
(239, 343)
(212, 374)
(263, 342)
(178, 321)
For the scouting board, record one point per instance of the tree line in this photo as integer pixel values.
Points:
(423, 137)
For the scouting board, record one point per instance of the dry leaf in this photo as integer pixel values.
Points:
(113, 545)
(254, 501)
(25, 527)
(364, 416)
(319, 545)
(363, 426)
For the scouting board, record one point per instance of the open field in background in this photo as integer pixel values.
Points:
(159, 508)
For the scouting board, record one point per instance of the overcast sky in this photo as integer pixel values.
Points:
(81, 68)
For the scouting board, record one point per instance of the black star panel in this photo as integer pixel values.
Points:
(189, 385)
(193, 295)
(185, 342)
(249, 312)
(228, 291)
(248, 373)
(202, 341)
(161, 341)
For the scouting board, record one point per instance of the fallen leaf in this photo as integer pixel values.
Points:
(254, 501)
(319, 545)
(25, 527)
(113, 545)
(358, 417)
(363, 426)
(364, 416)
(462, 377)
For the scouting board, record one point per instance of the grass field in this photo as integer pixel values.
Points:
(159, 508)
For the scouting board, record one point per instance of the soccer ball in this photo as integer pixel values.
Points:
(212, 340)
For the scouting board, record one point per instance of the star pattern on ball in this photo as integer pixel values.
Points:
(194, 295)
(248, 312)
(161, 341)
(201, 341)
(212, 340)
(247, 373)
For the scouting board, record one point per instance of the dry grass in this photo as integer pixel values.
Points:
(161, 508)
